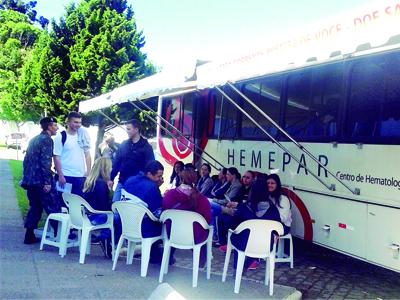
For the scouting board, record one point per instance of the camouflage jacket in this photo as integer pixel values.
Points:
(37, 161)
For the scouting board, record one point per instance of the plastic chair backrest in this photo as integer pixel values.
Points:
(182, 225)
(125, 196)
(259, 241)
(76, 213)
(131, 217)
(65, 199)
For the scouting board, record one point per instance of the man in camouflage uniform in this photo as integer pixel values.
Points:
(37, 177)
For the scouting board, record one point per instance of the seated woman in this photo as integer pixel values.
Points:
(233, 192)
(95, 189)
(205, 183)
(222, 185)
(258, 206)
(174, 180)
(247, 180)
(97, 194)
(281, 202)
(187, 197)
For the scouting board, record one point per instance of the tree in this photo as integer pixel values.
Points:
(94, 48)
(17, 38)
(27, 9)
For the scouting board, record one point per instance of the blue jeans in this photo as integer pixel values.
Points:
(117, 219)
(77, 184)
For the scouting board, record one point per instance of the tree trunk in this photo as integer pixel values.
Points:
(100, 134)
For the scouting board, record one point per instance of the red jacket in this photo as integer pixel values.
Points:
(179, 199)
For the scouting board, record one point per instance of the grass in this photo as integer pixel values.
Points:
(23, 204)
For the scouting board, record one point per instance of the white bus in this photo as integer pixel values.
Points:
(330, 127)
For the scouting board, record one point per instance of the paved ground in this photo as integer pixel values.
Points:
(318, 273)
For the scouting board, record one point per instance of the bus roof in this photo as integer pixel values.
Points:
(372, 25)
(148, 87)
(352, 33)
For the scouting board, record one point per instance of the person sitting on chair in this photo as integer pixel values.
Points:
(205, 183)
(281, 202)
(187, 197)
(97, 194)
(175, 179)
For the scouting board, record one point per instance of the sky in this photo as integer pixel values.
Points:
(178, 32)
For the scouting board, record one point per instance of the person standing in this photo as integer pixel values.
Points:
(72, 159)
(131, 158)
(37, 177)
(108, 148)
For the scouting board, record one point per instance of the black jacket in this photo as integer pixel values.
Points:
(131, 158)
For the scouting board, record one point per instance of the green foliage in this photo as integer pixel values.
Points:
(17, 38)
(93, 49)
(27, 9)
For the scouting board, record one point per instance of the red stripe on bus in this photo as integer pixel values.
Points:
(308, 230)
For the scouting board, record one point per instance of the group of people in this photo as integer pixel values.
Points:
(224, 200)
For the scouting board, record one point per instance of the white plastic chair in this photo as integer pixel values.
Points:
(61, 240)
(80, 221)
(258, 246)
(131, 218)
(182, 237)
(280, 255)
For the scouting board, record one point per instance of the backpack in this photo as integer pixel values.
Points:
(63, 137)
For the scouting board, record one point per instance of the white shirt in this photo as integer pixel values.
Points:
(284, 211)
(72, 156)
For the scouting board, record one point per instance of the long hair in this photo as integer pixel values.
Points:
(278, 191)
(101, 169)
(189, 177)
(174, 174)
(258, 193)
(234, 171)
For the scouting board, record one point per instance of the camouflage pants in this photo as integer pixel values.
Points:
(39, 200)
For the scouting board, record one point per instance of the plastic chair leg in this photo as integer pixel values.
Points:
(271, 276)
(119, 246)
(165, 260)
(89, 244)
(227, 258)
(146, 247)
(63, 237)
(131, 252)
(196, 259)
(280, 253)
(167, 265)
(239, 271)
(267, 266)
(44, 234)
(209, 257)
(84, 246)
(291, 253)
(112, 242)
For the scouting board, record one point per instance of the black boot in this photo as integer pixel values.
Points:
(30, 237)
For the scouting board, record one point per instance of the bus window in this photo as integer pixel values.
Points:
(225, 122)
(314, 98)
(298, 106)
(266, 94)
(327, 95)
(172, 108)
(389, 124)
(366, 91)
(187, 120)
